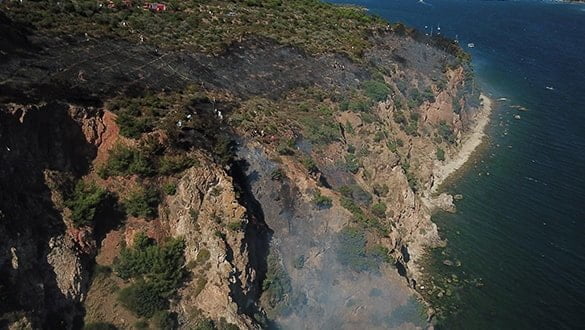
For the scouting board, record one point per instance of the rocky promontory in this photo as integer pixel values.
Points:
(223, 164)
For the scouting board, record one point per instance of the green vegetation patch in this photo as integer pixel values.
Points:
(379, 210)
(142, 202)
(381, 190)
(142, 299)
(84, 201)
(440, 154)
(157, 271)
(99, 326)
(446, 132)
(125, 160)
(376, 90)
(322, 201)
(170, 188)
(208, 25)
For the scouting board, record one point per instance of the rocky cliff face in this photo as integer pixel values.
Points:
(43, 268)
(205, 203)
(293, 179)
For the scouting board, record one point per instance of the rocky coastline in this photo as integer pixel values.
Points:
(278, 184)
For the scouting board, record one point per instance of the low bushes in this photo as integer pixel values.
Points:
(142, 202)
(322, 201)
(125, 160)
(84, 201)
(142, 299)
(158, 270)
(440, 154)
(143, 161)
(446, 132)
(379, 210)
(376, 90)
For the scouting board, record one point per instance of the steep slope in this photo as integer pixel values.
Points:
(279, 182)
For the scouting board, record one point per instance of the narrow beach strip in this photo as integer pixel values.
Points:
(468, 146)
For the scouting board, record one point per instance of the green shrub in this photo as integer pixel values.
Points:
(415, 99)
(369, 118)
(126, 161)
(277, 175)
(170, 188)
(351, 163)
(164, 320)
(286, 148)
(219, 234)
(322, 201)
(399, 117)
(146, 258)
(142, 202)
(84, 201)
(310, 165)
(380, 253)
(351, 250)
(99, 326)
(142, 299)
(203, 256)
(206, 324)
(319, 131)
(349, 128)
(132, 126)
(446, 132)
(235, 226)
(224, 149)
(428, 95)
(169, 164)
(412, 128)
(412, 181)
(381, 189)
(440, 154)
(356, 193)
(379, 210)
(101, 270)
(159, 270)
(224, 325)
(379, 136)
(140, 324)
(376, 90)
(359, 106)
(299, 262)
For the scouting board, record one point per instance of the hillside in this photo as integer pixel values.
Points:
(219, 164)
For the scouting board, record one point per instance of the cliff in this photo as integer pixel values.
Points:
(270, 179)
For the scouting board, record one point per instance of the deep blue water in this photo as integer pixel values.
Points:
(520, 229)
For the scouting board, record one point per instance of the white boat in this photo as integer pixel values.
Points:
(550, 88)
(471, 45)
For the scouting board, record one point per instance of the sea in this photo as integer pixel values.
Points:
(515, 257)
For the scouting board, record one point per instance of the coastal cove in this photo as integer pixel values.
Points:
(515, 257)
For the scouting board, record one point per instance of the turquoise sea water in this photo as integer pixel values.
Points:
(520, 229)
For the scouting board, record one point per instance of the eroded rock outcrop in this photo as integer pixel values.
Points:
(206, 212)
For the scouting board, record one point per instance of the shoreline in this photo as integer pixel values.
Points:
(469, 146)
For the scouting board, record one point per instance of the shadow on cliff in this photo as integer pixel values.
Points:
(258, 235)
(33, 141)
